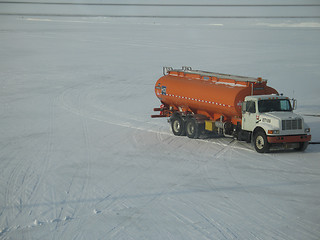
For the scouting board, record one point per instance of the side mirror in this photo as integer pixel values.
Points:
(243, 107)
(294, 104)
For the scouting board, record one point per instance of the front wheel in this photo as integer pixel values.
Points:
(302, 146)
(260, 142)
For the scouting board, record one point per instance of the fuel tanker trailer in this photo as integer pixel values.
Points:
(199, 102)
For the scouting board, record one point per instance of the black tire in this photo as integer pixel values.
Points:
(260, 142)
(302, 146)
(192, 128)
(177, 125)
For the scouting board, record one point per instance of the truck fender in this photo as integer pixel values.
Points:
(264, 126)
(257, 129)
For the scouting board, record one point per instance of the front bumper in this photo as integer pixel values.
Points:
(289, 139)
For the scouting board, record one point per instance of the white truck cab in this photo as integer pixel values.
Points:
(270, 120)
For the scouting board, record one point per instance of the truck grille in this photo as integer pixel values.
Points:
(292, 124)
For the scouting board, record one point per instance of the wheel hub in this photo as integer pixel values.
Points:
(260, 142)
(176, 126)
(190, 129)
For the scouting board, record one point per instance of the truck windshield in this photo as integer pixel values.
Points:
(271, 105)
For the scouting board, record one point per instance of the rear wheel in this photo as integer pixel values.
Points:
(260, 142)
(302, 146)
(192, 128)
(177, 125)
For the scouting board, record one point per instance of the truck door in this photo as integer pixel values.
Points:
(249, 116)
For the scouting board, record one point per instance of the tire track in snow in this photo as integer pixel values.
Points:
(195, 213)
(118, 118)
(223, 228)
(81, 111)
(262, 220)
(128, 122)
(84, 170)
(221, 153)
(224, 231)
(266, 212)
(189, 222)
(153, 200)
(136, 214)
(110, 117)
(23, 183)
(42, 168)
(106, 117)
(278, 211)
(10, 195)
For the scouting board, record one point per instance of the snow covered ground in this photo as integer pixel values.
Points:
(80, 157)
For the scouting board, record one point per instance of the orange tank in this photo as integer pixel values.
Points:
(207, 93)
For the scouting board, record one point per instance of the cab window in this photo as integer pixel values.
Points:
(250, 106)
(271, 105)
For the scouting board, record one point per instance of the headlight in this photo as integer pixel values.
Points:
(273, 131)
(307, 130)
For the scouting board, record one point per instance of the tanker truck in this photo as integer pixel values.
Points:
(198, 102)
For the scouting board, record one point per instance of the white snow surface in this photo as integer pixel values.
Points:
(80, 157)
